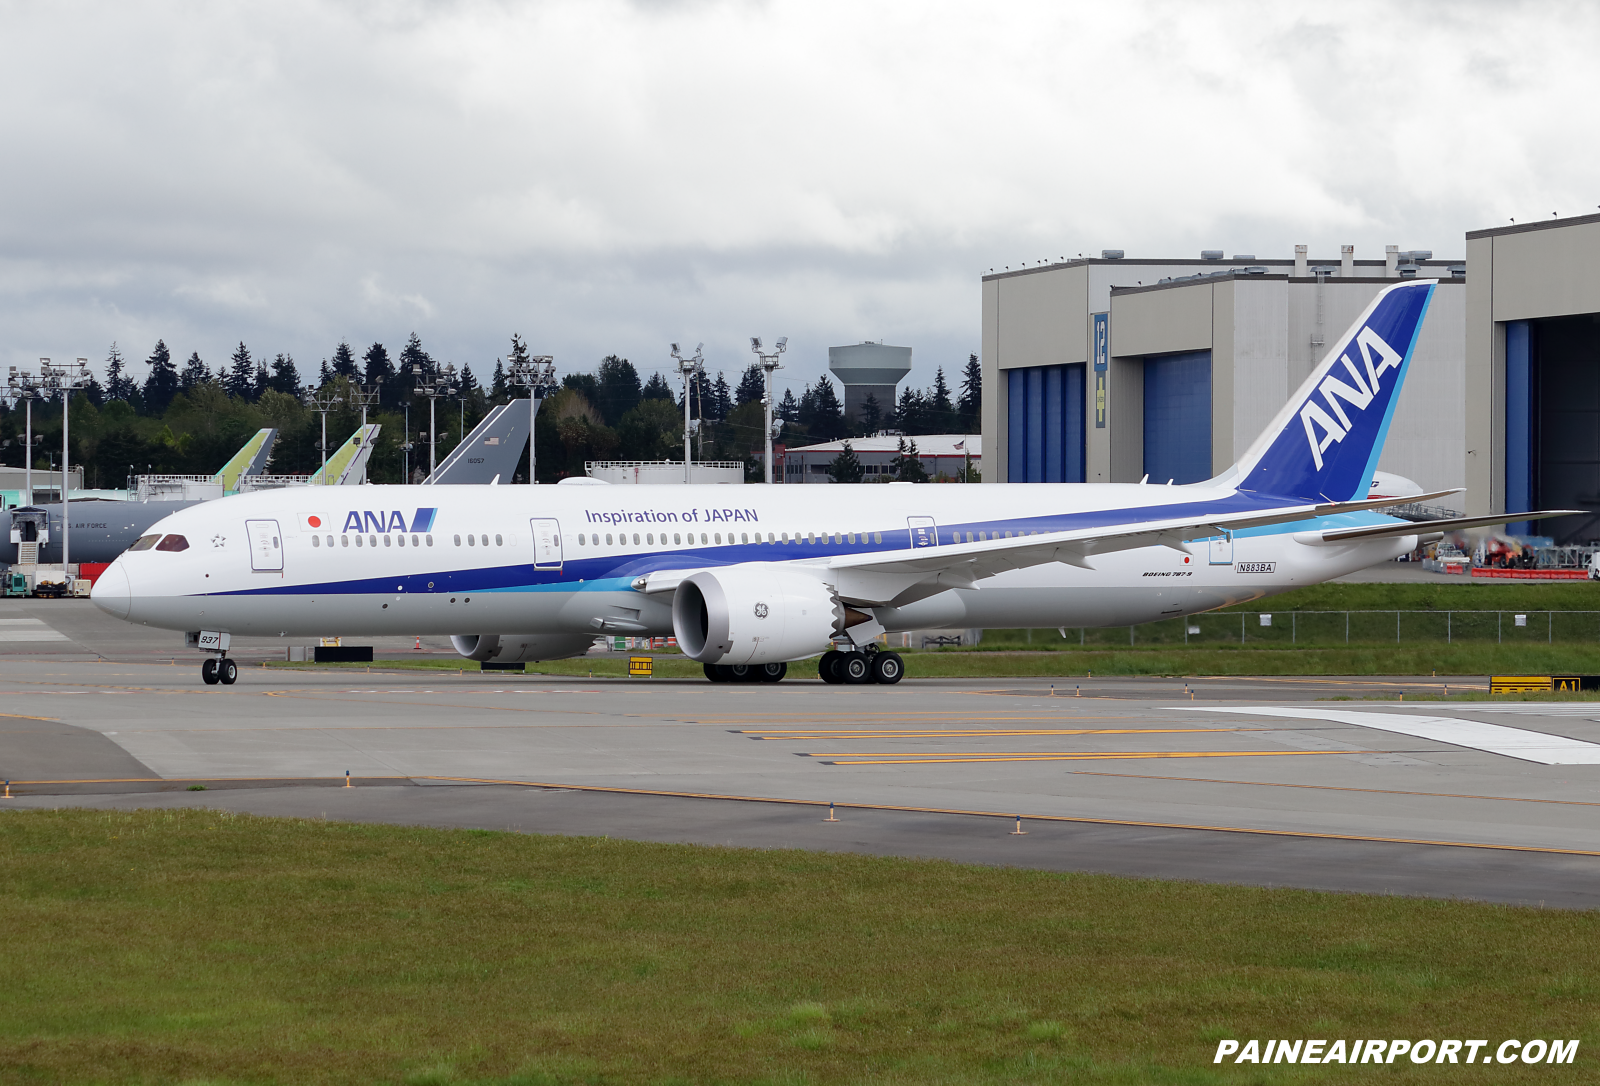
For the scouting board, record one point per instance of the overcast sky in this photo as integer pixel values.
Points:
(609, 177)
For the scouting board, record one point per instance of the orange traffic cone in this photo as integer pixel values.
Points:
(419, 643)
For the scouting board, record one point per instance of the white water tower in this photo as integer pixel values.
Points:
(869, 369)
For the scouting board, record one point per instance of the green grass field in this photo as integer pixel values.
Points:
(187, 946)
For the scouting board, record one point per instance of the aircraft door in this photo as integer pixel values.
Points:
(546, 544)
(1222, 550)
(924, 532)
(266, 545)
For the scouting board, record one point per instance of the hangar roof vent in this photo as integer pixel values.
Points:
(1210, 254)
(1244, 256)
(1110, 254)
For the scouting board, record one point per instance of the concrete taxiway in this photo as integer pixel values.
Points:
(1262, 781)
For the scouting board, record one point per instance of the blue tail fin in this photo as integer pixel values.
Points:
(1325, 443)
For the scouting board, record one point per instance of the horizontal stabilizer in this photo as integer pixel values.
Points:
(1427, 527)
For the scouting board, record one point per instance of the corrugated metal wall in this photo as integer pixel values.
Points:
(1177, 417)
(1045, 424)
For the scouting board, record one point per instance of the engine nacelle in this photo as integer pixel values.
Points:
(754, 613)
(516, 648)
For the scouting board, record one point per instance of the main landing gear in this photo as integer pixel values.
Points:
(858, 667)
(219, 669)
(746, 673)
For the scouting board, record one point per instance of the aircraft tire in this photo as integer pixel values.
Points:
(208, 672)
(227, 672)
(827, 667)
(887, 668)
(771, 673)
(715, 672)
(854, 668)
(740, 673)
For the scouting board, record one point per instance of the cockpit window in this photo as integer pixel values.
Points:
(145, 542)
(173, 543)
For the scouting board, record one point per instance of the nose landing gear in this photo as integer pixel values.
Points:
(219, 670)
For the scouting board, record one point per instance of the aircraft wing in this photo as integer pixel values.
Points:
(883, 577)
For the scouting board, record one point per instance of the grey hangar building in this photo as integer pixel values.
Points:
(1114, 369)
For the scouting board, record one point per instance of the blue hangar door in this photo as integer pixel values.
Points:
(1044, 426)
(1177, 417)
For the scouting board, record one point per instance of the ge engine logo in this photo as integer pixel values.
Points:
(761, 610)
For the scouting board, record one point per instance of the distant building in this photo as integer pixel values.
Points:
(664, 471)
(944, 455)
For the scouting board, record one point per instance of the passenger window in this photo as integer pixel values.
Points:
(850, 537)
(173, 543)
(359, 539)
(719, 537)
(388, 541)
(744, 537)
(316, 541)
(430, 540)
(608, 539)
(458, 541)
(330, 541)
(401, 540)
(470, 543)
(497, 542)
(635, 539)
(145, 542)
(580, 539)
(372, 539)
(877, 537)
(344, 541)
(677, 538)
(650, 538)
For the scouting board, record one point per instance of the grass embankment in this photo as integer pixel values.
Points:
(171, 946)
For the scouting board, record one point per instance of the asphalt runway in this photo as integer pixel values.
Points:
(1258, 781)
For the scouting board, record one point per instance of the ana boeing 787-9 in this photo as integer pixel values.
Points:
(753, 578)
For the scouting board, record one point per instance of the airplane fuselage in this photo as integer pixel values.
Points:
(565, 559)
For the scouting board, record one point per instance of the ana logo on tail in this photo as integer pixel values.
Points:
(1358, 397)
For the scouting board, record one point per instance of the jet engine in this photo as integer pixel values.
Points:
(754, 613)
(516, 648)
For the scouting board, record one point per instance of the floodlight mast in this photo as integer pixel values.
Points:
(26, 387)
(538, 375)
(439, 383)
(66, 379)
(769, 363)
(694, 365)
(364, 396)
(322, 400)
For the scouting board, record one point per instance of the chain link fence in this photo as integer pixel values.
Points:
(1317, 628)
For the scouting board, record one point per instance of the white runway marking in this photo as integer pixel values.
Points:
(28, 629)
(1494, 738)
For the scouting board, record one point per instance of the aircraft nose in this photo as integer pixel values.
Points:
(111, 592)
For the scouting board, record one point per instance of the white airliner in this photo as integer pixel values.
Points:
(752, 578)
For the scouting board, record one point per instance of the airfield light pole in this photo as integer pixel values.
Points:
(690, 368)
(26, 387)
(67, 379)
(538, 376)
(769, 362)
(441, 382)
(322, 400)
